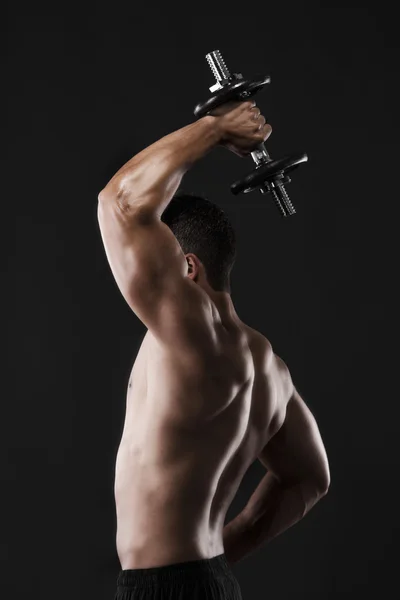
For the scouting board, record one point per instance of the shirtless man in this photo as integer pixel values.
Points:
(207, 395)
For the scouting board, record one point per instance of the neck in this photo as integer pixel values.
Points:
(224, 304)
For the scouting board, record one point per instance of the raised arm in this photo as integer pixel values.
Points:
(145, 257)
(298, 477)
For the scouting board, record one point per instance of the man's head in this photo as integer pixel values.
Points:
(206, 237)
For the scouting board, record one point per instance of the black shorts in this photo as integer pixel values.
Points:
(207, 579)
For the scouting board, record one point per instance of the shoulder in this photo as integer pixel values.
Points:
(286, 378)
(260, 346)
(264, 354)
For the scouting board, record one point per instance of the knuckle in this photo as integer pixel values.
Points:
(265, 132)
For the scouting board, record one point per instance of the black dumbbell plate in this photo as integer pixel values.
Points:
(267, 171)
(238, 89)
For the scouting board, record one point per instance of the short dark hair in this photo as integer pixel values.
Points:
(202, 228)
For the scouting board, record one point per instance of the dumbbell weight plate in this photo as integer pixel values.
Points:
(267, 171)
(238, 89)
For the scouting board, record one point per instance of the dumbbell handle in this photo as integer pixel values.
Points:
(260, 155)
(222, 74)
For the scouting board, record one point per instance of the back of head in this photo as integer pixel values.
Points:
(202, 228)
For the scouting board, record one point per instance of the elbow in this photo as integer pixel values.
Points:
(323, 479)
(110, 193)
(322, 484)
(117, 200)
(102, 196)
(313, 491)
(117, 190)
(107, 196)
(117, 195)
(316, 487)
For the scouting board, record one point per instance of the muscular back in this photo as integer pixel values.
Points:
(194, 424)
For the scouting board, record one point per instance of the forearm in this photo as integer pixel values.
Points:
(271, 510)
(152, 177)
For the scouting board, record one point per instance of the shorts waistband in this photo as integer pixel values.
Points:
(208, 567)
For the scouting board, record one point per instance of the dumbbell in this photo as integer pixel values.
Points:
(269, 176)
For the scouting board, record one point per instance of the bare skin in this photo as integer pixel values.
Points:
(192, 430)
(207, 394)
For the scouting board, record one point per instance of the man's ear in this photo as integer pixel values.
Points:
(193, 266)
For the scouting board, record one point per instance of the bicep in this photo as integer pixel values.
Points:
(150, 270)
(296, 452)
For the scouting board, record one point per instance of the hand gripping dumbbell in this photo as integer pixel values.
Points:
(269, 176)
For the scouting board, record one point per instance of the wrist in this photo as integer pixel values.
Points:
(215, 126)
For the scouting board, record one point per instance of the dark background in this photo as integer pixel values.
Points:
(88, 87)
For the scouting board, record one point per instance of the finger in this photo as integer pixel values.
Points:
(265, 132)
(260, 122)
(256, 113)
(248, 105)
